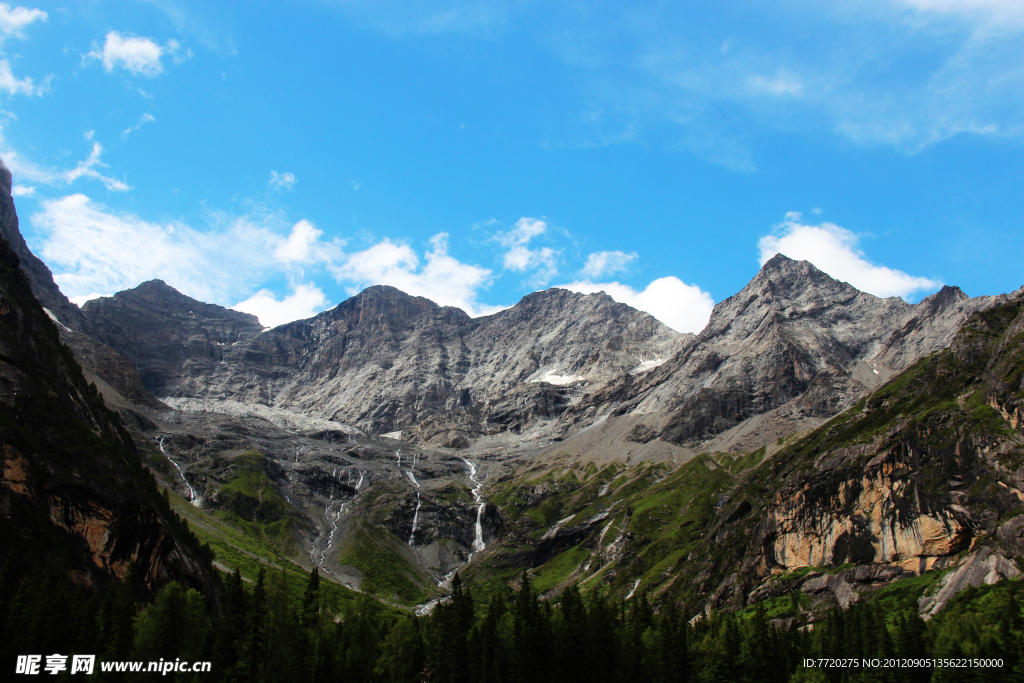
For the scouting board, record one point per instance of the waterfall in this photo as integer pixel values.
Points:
(334, 527)
(360, 482)
(415, 519)
(478, 532)
(398, 454)
(634, 589)
(412, 478)
(191, 491)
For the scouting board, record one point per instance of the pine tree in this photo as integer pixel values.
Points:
(310, 613)
(251, 665)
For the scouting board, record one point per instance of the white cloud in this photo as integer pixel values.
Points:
(603, 263)
(14, 86)
(303, 246)
(833, 249)
(442, 278)
(87, 168)
(23, 191)
(683, 307)
(140, 56)
(82, 298)
(12, 21)
(542, 262)
(144, 119)
(782, 83)
(281, 181)
(304, 302)
(91, 248)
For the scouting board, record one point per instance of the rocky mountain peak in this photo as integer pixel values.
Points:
(392, 306)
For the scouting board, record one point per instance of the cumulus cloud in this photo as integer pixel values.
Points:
(441, 278)
(94, 249)
(683, 307)
(23, 191)
(12, 21)
(303, 246)
(305, 301)
(542, 262)
(281, 181)
(144, 119)
(833, 249)
(604, 263)
(140, 56)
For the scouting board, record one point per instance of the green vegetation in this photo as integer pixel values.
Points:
(386, 573)
(243, 550)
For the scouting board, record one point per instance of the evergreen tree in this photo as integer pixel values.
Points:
(252, 663)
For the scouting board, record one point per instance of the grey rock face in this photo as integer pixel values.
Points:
(382, 360)
(168, 335)
(794, 336)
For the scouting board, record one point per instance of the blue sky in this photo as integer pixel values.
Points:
(279, 157)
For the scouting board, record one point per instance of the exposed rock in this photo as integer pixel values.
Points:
(792, 336)
(384, 360)
(73, 489)
(982, 566)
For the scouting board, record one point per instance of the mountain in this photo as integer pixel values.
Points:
(384, 360)
(914, 492)
(74, 496)
(812, 440)
(169, 336)
(791, 348)
(100, 362)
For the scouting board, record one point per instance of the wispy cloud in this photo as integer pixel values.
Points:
(834, 250)
(281, 181)
(904, 74)
(604, 263)
(12, 25)
(144, 119)
(25, 169)
(94, 249)
(19, 86)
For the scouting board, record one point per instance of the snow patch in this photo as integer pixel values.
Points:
(559, 380)
(54, 319)
(646, 365)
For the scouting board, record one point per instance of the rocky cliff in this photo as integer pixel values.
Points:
(74, 496)
(925, 474)
(793, 339)
(382, 360)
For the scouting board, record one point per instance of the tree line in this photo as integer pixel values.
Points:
(259, 634)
